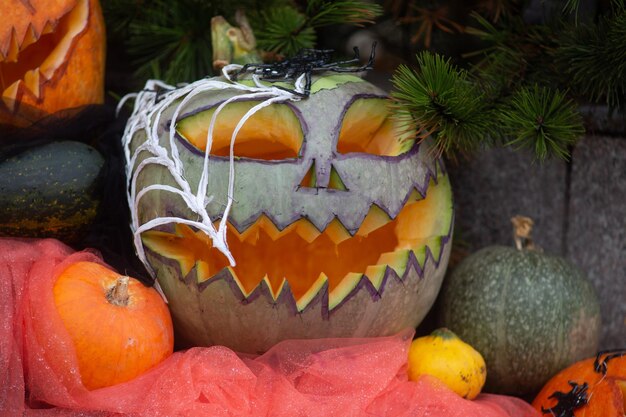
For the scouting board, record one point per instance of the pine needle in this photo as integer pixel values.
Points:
(284, 30)
(324, 13)
(543, 121)
(443, 103)
(593, 58)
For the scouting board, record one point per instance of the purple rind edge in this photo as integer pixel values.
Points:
(412, 262)
(322, 296)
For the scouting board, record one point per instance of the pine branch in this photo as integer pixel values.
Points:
(587, 60)
(324, 13)
(516, 53)
(284, 30)
(460, 114)
(442, 101)
(571, 6)
(593, 60)
(542, 120)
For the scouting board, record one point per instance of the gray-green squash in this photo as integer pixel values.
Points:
(50, 191)
(528, 313)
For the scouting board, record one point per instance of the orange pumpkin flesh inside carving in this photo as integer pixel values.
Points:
(51, 58)
(272, 133)
(301, 254)
(120, 328)
(332, 253)
(605, 393)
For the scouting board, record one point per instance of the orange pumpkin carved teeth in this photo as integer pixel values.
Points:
(44, 47)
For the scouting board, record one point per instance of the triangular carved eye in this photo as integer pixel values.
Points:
(310, 179)
(272, 133)
(368, 127)
(335, 182)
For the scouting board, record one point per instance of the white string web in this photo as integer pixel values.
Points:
(150, 103)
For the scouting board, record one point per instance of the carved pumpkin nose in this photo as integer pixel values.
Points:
(322, 176)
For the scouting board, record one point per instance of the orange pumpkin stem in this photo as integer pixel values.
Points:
(118, 294)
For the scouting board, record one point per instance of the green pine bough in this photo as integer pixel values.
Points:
(461, 112)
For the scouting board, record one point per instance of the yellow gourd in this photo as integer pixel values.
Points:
(443, 355)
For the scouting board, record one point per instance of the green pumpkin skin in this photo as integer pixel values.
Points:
(51, 191)
(529, 314)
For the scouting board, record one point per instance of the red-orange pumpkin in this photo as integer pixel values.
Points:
(120, 328)
(594, 387)
(52, 57)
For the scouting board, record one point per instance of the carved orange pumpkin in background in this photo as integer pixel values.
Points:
(52, 57)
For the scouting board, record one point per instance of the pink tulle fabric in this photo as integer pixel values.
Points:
(330, 377)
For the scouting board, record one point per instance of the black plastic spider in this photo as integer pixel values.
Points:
(601, 366)
(307, 62)
(567, 402)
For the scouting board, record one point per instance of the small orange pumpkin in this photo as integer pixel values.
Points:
(594, 387)
(52, 57)
(120, 327)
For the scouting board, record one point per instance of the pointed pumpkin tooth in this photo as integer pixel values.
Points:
(48, 28)
(345, 287)
(274, 291)
(203, 272)
(268, 226)
(396, 260)
(435, 247)
(30, 37)
(9, 95)
(336, 231)
(250, 234)
(31, 81)
(432, 246)
(376, 273)
(14, 48)
(306, 230)
(375, 218)
(52, 62)
(237, 281)
(313, 290)
(415, 195)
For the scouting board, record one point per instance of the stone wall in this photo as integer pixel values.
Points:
(579, 211)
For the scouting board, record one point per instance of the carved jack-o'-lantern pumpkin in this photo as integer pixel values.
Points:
(51, 57)
(267, 216)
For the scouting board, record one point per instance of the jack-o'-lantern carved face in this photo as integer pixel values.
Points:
(340, 225)
(51, 57)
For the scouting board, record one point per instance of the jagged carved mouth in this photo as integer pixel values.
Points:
(307, 258)
(36, 58)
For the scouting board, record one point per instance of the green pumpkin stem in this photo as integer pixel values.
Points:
(118, 294)
(444, 333)
(522, 228)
